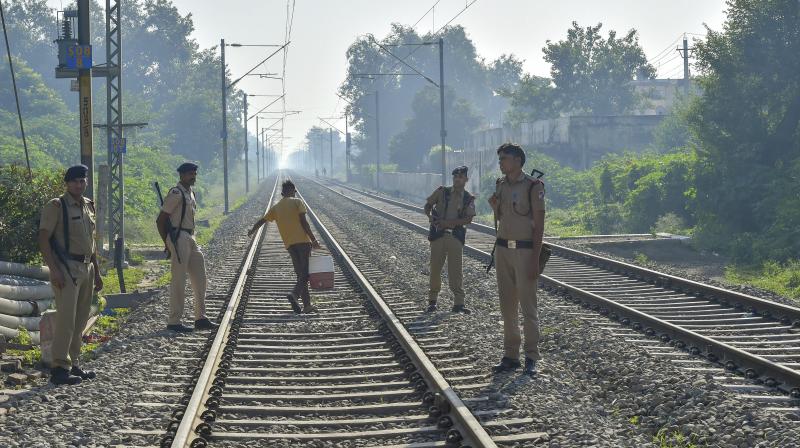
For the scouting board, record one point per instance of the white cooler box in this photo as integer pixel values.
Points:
(320, 270)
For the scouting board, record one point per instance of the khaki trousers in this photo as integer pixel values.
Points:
(192, 263)
(517, 290)
(450, 248)
(73, 304)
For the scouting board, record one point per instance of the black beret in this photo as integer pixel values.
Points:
(187, 166)
(460, 170)
(76, 172)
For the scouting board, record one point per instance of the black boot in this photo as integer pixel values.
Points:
(461, 309)
(205, 324)
(431, 307)
(84, 374)
(506, 365)
(180, 328)
(60, 375)
(530, 366)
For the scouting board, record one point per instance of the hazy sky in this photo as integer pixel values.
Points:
(323, 29)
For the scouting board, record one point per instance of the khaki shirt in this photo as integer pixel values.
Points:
(172, 207)
(515, 212)
(80, 214)
(455, 205)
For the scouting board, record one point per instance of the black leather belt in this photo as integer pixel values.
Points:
(514, 244)
(80, 258)
(189, 231)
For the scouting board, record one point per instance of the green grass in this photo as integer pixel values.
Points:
(104, 326)
(164, 280)
(561, 222)
(29, 357)
(641, 259)
(664, 439)
(780, 278)
(215, 219)
(133, 277)
(135, 259)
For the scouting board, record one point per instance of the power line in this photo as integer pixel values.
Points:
(426, 13)
(16, 94)
(665, 51)
(435, 33)
(665, 62)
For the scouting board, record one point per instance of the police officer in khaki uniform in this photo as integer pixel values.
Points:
(66, 240)
(186, 258)
(449, 210)
(518, 203)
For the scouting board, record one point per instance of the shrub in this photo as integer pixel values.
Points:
(21, 201)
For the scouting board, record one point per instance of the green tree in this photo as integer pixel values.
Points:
(409, 148)
(533, 99)
(467, 76)
(746, 124)
(592, 74)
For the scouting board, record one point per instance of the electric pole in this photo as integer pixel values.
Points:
(85, 94)
(685, 53)
(224, 133)
(377, 144)
(246, 150)
(331, 133)
(442, 130)
(258, 159)
(346, 149)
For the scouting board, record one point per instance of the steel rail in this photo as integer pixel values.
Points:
(185, 434)
(786, 314)
(732, 358)
(470, 429)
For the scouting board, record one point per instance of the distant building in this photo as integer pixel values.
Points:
(579, 141)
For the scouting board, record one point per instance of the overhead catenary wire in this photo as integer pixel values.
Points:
(16, 93)
(426, 13)
(287, 38)
(435, 32)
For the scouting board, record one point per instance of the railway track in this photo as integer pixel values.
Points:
(754, 339)
(353, 374)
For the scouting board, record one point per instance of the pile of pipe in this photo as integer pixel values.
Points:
(25, 293)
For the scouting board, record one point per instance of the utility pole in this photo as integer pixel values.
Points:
(442, 130)
(377, 143)
(685, 53)
(85, 94)
(258, 159)
(115, 138)
(224, 133)
(331, 133)
(246, 150)
(346, 149)
(266, 153)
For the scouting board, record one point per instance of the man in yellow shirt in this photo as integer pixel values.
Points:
(290, 215)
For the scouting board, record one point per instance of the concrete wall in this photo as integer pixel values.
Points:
(574, 141)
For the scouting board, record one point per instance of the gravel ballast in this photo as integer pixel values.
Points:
(593, 389)
(89, 414)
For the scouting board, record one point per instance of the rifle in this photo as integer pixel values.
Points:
(61, 252)
(172, 232)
